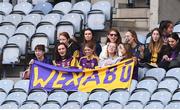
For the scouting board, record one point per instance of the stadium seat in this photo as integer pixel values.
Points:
(112, 104)
(1, 17)
(9, 104)
(21, 41)
(96, 20)
(48, 29)
(71, 104)
(17, 94)
(140, 94)
(157, 73)
(24, 7)
(92, 104)
(105, 7)
(100, 95)
(176, 28)
(3, 95)
(44, 7)
(26, 28)
(53, 18)
(34, 2)
(13, 18)
(154, 104)
(141, 72)
(65, 26)
(11, 54)
(8, 29)
(133, 104)
(38, 95)
(6, 7)
(162, 94)
(51, 104)
(174, 72)
(32, 18)
(30, 104)
(3, 41)
(120, 95)
(169, 82)
(64, 7)
(148, 40)
(141, 38)
(6, 85)
(39, 38)
(81, 97)
(133, 85)
(173, 104)
(23, 84)
(176, 94)
(58, 95)
(149, 83)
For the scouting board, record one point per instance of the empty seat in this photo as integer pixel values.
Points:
(154, 104)
(9, 104)
(3, 95)
(140, 94)
(81, 97)
(3, 41)
(133, 104)
(23, 84)
(133, 85)
(18, 95)
(13, 18)
(141, 38)
(111, 104)
(30, 104)
(24, 7)
(45, 7)
(6, 7)
(92, 104)
(169, 82)
(58, 95)
(100, 95)
(51, 104)
(149, 83)
(71, 104)
(65, 7)
(157, 73)
(48, 29)
(11, 54)
(176, 28)
(1, 17)
(38, 95)
(7, 29)
(120, 95)
(96, 20)
(32, 18)
(162, 94)
(38, 1)
(173, 104)
(176, 94)
(174, 72)
(6, 85)
(53, 18)
(148, 40)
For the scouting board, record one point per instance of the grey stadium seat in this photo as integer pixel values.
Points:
(30, 104)
(174, 72)
(3, 95)
(53, 18)
(173, 104)
(8, 29)
(51, 104)
(25, 7)
(154, 104)
(3, 41)
(65, 7)
(133, 85)
(176, 94)
(141, 38)
(71, 104)
(9, 104)
(157, 73)
(32, 18)
(133, 104)
(23, 84)
(81, 97)
(6, 85)
(6, 7)
(111, 104)
(120, 95)
(13, 18)
(92, 104)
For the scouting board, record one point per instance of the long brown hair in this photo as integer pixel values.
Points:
(134, 35)
(128, 49)
(156, 46)
(119, 40)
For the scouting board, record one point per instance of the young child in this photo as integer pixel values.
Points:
(90, 60)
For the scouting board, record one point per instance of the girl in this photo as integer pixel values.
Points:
(90, 60)
(112, 37)
(112, 57)
(63, 58)
(89, 37)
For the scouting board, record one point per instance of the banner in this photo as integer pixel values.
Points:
(49, 77)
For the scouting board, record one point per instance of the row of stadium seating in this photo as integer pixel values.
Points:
(152, 91)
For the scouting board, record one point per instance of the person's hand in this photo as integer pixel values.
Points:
(141, 48)
(165, 57)
(31, 62)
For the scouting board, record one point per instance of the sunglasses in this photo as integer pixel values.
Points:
(113, 35)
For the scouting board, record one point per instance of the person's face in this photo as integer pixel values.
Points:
(122, 50)
(62, 50)
(88, 35)
(39, 53)
(172, 42)
(113, 36)
(88, 51)
(63, 39)
(111, 48)
(155, 36)
(129, 38)
(170, 29)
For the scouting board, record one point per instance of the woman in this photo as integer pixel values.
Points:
(171, 53)
(73, 47)
(112, 56)
(63, 58)
(112, 37)
(153, 52)
(89, 37)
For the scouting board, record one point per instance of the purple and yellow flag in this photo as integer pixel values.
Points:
(49, 77)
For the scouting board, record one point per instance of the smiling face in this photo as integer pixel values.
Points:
(62, 50)
(129, 38)
(155, 35)
(112, 36)
(88, 51)
(172, 42)
(39, 53)
(111, 49)
(88, 35)
(122, 50)
(63, 39)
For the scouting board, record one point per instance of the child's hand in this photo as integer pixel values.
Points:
(31, 62)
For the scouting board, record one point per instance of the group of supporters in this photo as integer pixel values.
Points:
(163, 50)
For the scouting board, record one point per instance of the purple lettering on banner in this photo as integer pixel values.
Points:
(90, 78)
(110, 74)
(123, 73)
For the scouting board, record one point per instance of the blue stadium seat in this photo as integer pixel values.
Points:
(23, 84)
(3, 41)
(44, 7)
(120, 95)
(51, 104)
(111, 104)
(9, 104)
(6, 7)
(71, 104)
(154, 104)
(24, 7)
(173, 104)
(92, 104)
(30, 104)
(157, 73)
(133, 104)
(174, 72)
(64, 7)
